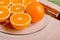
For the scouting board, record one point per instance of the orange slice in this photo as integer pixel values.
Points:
(36, 11)
(20, 20)
(27, 2)
(4, 2)
(16, 1)
(17, 8)
(4, 14)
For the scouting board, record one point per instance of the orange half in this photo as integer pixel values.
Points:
(4, 2)
(27, 2)
(17, 8)
(4, 14)
(16, 1)
(20, 20)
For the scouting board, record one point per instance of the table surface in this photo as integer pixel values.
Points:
(51, 32)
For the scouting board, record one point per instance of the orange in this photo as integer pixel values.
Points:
(17, 8)
(16, 1)
(4, 14)
(36, 11)
(27, 2)
(20, 20)
(4, 2)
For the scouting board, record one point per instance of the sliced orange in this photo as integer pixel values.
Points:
(4, 14)
(36, 11)
(4, 2)
(27, 2)
(17, 8)
(20, 20)
(16, 1)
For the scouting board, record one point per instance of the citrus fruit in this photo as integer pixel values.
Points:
(16, 1)
(36, 11)
(4, 14)
(20, 20)
(17, 8)
(4, 2)
(27, 2)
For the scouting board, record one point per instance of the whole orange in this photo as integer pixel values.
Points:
(36, 11)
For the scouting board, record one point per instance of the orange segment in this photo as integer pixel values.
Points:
(16, 1)
(20, 20)
(27, 2)
(36, 11)
(4, 14)
(17, 8)
(4, 2)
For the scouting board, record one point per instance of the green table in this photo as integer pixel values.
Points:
(57, 2)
